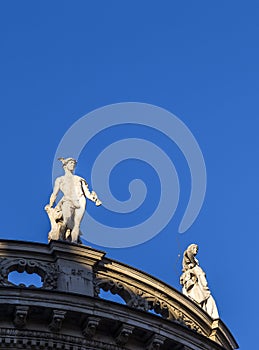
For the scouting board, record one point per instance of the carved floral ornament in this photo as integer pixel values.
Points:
(141, 300)
(134, 297)
(47, 271)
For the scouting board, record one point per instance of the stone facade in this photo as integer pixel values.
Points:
(67, 312)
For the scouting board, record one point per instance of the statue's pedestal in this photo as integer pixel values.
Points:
(75, 265)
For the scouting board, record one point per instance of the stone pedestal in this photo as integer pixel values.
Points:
(75, 265)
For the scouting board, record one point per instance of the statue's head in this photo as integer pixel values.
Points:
(193, 248)
(69, 163)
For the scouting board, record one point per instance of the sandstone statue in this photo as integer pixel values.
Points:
(66, 216)
(194, 282)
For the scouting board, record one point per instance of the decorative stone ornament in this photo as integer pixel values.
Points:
(123, 334)
(194, 282)
(75, 315)
(57, 320)
(20, 319)
(47, 271)
(156, 342)
(90, 327)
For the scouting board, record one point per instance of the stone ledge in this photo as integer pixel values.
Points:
(80, 272)
(76, 310)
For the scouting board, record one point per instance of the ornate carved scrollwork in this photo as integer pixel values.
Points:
(115, 287)
(124, 334)
(156, 342)
(90, 327)
(20, 317)
(133, 297)
(57, 320)
(186, 321)
(159, 306)
(141, 300)
(47, 271)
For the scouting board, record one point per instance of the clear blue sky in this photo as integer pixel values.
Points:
(197, 59)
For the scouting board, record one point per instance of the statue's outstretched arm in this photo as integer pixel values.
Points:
(90, 195)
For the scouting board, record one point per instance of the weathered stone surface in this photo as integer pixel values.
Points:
(90, 327)
(20, 318)
(123, 334)
(73, 316)
(47, 271)
(194, 282)
(156, 342)
(58, 317)
(67, 215)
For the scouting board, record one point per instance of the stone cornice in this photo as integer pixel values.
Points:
(41, 305)
(73, 276)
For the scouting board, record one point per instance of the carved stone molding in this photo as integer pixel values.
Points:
(160, 307)
(57, 320)
(133, 297)
(141, 300)
(13, 338)
(186, 321)
(115, 287)
(47, 271)
(123, 334)
(90, 327)
(156, 342)
(20, 317)
(72, 276)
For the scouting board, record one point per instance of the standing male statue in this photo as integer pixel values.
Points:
(66, 217)
(194, 282)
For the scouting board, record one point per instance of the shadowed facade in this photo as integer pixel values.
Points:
(67, 311)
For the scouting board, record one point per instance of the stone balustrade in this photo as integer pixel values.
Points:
(68, 309)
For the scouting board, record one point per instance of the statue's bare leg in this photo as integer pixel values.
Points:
(79, 213)
(67, 214)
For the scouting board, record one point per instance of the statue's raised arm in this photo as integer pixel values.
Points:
(66, 216)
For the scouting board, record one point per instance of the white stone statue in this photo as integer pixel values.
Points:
(194, 282)
(66, 217)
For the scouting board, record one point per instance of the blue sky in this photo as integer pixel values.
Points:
(197, 59)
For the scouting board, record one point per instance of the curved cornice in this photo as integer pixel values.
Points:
(73, 275)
